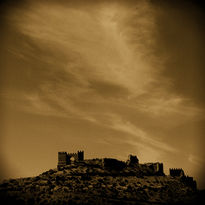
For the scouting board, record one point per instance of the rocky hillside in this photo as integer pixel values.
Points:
(89, 182)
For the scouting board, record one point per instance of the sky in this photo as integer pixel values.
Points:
(111, 78)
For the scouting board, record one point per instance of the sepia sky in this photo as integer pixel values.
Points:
(111, 78)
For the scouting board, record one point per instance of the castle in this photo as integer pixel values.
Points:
(148, 169)
(65, 158)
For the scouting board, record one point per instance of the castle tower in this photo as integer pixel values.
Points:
(62, 158)
(176, 172)
(80, 155)
(160, 168)
(132, 160)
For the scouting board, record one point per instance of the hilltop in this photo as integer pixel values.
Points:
(99, 181)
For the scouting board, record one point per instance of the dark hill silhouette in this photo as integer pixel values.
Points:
(100, 181)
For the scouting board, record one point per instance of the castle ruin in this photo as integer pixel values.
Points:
(64, 158)
(156, 168)
(132, 160)
(179, 173)
(132, 165)
(176, 172)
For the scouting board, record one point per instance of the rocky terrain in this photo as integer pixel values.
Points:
(89, 182)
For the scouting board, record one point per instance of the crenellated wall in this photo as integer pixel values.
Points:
(64, 158)
(175, 172)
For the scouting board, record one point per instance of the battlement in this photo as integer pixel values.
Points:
(176, 172)
(146, 169)
(64, 158)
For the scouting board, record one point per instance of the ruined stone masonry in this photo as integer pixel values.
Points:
(146, 169)
(132, 160)
(189, 181)
(176, 172)
(64, 158)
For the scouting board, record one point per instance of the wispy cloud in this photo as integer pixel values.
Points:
(117, 123)
(196, 160)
